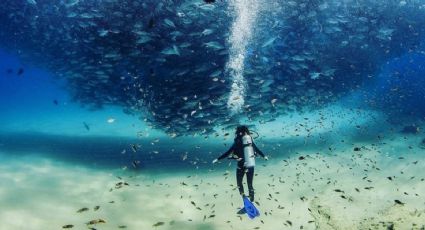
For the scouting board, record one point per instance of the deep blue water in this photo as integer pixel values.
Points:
(114, 90)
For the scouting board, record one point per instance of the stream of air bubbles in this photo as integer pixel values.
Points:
(245, 13)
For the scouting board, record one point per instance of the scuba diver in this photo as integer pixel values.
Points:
(244, 151)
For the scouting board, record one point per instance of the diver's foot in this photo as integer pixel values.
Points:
(251, 196)
(242, 211)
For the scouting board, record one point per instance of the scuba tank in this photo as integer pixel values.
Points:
(248, 151)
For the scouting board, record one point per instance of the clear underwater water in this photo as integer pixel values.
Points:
(120, 107)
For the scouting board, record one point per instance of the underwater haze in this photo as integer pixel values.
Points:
(115, 114)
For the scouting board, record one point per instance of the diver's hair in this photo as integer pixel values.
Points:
(242, 129)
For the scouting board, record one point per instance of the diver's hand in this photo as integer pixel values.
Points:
(214, 161)
(266, 158)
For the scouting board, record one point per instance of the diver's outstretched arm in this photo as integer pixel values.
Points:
(226, 154)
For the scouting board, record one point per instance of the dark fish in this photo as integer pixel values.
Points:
(151, 24)
(398, 202)
(135, 164)
(86, 126)
(97, 221)
(68, 226)
(301, 158)
(133, 147)
(158, 224)
(55, 102)
(209, 1)
(20, 71)
(96, 208)
(118, 185)
(82, 210)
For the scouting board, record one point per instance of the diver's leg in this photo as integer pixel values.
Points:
(240, 172)
(250, 178)
(239, 177)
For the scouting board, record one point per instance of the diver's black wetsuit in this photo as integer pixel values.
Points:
(237, 150)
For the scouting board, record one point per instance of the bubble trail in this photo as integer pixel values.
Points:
(245, 13)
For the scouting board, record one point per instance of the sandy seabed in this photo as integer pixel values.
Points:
(353, 185)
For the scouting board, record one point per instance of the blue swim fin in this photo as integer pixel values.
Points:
(250, 208)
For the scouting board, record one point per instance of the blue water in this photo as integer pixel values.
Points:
(335, 91)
